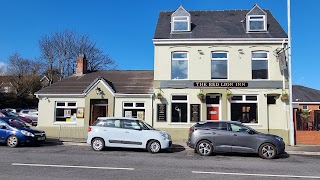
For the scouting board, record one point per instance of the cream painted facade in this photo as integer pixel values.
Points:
(272, 118)
(78, 128)
(239, 65)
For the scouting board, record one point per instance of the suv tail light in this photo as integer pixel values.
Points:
(191, 130)
(89, 129)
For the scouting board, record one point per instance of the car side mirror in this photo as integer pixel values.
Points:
(250, 131)
(3, 127)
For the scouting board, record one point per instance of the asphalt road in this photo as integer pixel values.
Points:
(80, 162)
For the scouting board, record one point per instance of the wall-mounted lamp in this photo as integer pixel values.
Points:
(99, 91)
(240, 51)
(200, 52)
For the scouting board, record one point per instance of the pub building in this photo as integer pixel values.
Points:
(220, 65)
(208, 65)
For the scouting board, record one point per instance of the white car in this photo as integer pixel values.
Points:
(31, 114)
(127, 133)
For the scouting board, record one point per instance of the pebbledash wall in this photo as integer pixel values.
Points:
(271, 118)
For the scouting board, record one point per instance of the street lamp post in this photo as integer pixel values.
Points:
(291, 125)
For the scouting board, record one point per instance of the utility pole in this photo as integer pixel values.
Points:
(291, 125)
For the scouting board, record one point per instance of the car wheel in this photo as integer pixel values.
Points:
(267, 151)
(154, 146)
(12, 141)
(204, 148)
(97, 144)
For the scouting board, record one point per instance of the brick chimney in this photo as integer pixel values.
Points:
(81, 65)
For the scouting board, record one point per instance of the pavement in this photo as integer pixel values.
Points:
(313, 150)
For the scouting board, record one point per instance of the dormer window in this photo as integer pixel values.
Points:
(256, 20)
(257, 23)
(180, 20)
(181, 23)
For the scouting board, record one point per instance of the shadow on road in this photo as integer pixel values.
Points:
(281, 156)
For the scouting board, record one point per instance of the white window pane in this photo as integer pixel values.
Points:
(219, 70)
(181, 18)
(256, 25)
(259, 55)
(180, 26)
(179, 55)
(179, 69)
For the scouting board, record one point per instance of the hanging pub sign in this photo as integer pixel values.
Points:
(162, 112)
(220, 84)
(194, 112)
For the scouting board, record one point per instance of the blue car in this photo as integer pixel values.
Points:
(14, 132)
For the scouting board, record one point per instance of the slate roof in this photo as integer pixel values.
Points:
(305, 94)
(217, 24)
(122, 81)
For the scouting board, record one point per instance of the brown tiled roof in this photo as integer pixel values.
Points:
(122, 81)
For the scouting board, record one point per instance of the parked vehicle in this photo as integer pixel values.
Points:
(127, 133)
(14, 132)
(207, 137)
(31, 114)
(14, 115)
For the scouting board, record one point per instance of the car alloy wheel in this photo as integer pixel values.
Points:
(154, 146)
(267, 151)
(204, 148)
(97, 144)
(12, 141)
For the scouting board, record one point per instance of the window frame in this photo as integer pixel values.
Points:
(244, 101)
(305, 108)
(180, 101)
(251, 18)
(261, 59)
(220, 59)
(180, 59)
(174, 19)
(66, 106)
(134, 108)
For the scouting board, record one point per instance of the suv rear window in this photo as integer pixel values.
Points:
(213, 125)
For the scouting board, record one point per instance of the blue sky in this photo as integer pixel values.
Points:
(124, 28)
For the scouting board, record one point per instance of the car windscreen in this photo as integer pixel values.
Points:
(17, 123)
(145, 125)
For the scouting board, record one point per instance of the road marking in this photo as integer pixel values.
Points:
(68, 166)
(261, 175)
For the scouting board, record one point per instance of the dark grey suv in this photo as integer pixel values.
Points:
(207, 137)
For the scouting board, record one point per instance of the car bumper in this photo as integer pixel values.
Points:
(165, 144)
(191, 145)
(33, 139)
(281, 148)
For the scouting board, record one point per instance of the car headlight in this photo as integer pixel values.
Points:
(165, 136)
(279, 138)
(27, 133)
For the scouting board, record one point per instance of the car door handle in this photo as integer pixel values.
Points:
(104, 130)
(127, 131)
(235, 135)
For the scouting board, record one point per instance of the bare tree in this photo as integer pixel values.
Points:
(48, 53)
(25, 74)
(60, 50)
